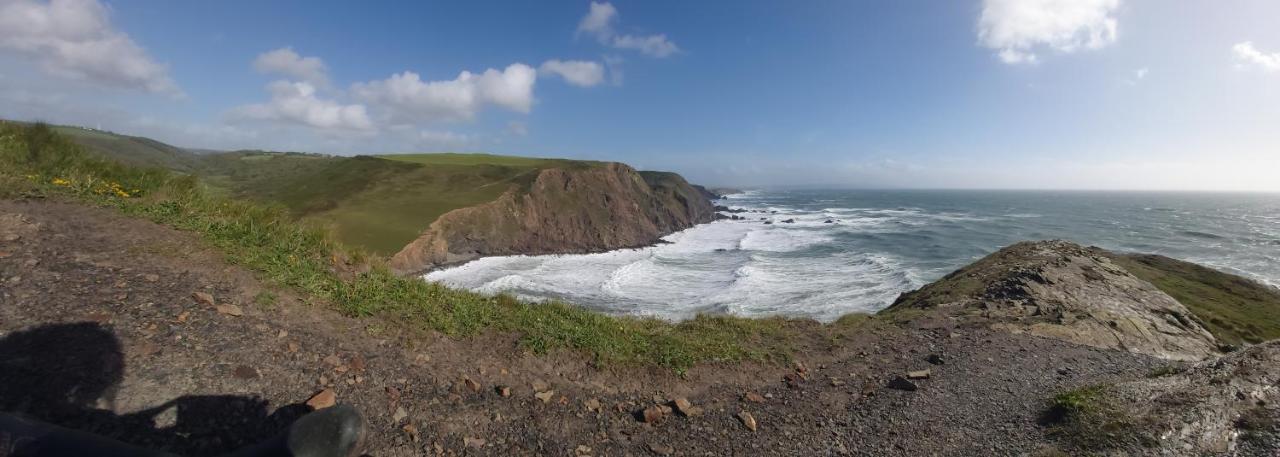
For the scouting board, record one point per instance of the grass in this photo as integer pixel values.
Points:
(1235, 309)
(375, 203)
(1085, 419)
(37, 161)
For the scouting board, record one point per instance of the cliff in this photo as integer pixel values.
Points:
(564, 210)
(1061, 290)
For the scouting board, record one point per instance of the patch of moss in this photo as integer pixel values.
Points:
(1085, 419)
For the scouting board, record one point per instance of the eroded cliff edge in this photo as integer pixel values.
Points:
(562, 210)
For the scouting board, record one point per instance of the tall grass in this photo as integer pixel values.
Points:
(35, 160)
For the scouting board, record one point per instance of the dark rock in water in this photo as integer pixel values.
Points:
(829, 221)
(764, 218)
(773, 212)
(789, 221)
(901, 383)
(721, 249)
(768, 222)
(721, 208)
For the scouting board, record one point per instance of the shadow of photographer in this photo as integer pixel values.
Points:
(62, 373)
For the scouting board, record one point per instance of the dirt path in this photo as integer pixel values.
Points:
(99, 330)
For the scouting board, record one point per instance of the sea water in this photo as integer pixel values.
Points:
(856, 251)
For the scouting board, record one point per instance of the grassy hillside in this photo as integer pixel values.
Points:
(1235, 309)
(377, 203)
(36, 162)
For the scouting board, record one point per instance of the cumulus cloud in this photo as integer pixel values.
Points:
(1246, 53)
(599, 23)
(1017, 29)
(296, 102)
(286, 62)
(410, 98)
(576, 72)
(75, 39)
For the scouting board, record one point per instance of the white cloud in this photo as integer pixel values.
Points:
(599, 19)
(1017, 28)
(1245, 52)
(75, 39)
(576, 72)
(296, 102)
(599, 23)
(285, 61)
(653, 45)
(407, 97)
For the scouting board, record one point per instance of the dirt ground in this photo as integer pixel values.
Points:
(100, 330)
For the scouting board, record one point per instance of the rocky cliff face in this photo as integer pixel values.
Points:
(1062, 290)
(564, 210)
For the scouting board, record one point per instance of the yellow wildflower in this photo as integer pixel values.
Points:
(61, 182)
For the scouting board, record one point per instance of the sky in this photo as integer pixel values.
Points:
(1061, 94)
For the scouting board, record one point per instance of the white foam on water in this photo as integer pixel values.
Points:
(744, 268)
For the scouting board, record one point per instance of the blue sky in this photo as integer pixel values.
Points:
(1091, 94)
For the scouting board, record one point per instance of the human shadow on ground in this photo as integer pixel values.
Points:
(64, 374)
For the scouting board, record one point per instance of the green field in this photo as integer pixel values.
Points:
(375, 203)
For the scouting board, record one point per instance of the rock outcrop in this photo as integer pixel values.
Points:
(1061, 290)
(1225, 406)
(563, 210)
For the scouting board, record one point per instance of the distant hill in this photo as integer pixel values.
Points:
(383, 203)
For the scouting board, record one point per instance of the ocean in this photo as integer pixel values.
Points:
(856, 250)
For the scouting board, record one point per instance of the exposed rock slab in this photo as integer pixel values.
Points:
(1227, 406)
(1062, 290)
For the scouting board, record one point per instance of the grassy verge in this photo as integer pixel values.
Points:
(1235, 309)
(35, 160)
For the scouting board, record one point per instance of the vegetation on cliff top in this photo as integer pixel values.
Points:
(1236, 310)
(375, 203)
(35, 161)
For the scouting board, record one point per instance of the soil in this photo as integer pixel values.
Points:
(98, 314)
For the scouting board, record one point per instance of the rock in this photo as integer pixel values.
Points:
(753, 397)
(919, 374)
(539, 385)
(393, 394)
(935, 359)
(828, 221)
(230, 310)
(592, 405)
(203, 298)
(1061, 290)
(244, 372)
(412, 431)
(748, 420)
(836, 382)
(282, 334)
(793, 380)
(686, 408)
(661, 449)
(653, 414)
(356, 363)
(582, 450)
(12, 237)
(475, 443)
(399, 415)
(545, 396)
(322, 399)
(471, 385)
(333, 360)
(503, 391)
(153, 278)
(901, 383)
